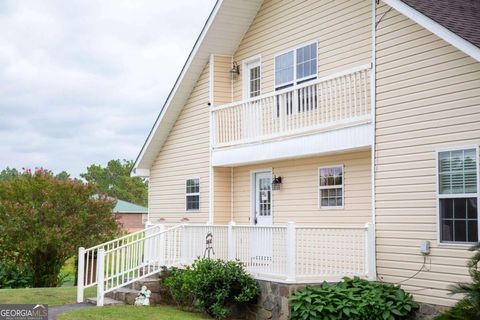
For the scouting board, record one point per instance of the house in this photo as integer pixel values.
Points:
(132, 217)
(340, 137)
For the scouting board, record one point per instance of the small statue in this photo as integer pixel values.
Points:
(143, 298)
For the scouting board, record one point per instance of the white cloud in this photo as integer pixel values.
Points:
(83, 81)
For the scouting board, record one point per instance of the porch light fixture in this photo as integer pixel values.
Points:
(276, 183)
(235, 71)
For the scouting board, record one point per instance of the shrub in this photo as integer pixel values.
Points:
(213, 285)
(179, 284)
(469, 307)
(14, 276)
(355, 299)
(44, 219)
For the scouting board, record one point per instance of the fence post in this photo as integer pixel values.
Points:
(370, 267)
(80, 274)
(100, 276)
(161, 245)
(231, 241)
(291, 247)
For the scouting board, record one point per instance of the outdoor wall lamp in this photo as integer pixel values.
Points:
(235, 71)
(276, 183)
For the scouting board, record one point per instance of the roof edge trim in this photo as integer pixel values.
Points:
(436, 28)
(172, 93)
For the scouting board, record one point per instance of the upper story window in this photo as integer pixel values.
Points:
(330, 187)
(192, 194)
(296, 66)
(458, 195)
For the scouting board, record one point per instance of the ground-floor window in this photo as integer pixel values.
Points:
(192, 194)
(330, 187)
(458, 195)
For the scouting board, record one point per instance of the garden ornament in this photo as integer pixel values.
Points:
(143, 298)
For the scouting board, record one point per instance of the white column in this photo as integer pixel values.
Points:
(370, 266)
(100, 276)
(231, 241)
(291, 254)
(80, 274)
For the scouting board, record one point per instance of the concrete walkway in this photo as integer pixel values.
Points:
(54, 311)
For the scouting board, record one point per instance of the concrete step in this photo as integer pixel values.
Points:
(152, 284)
(106, 301)
(126, 295)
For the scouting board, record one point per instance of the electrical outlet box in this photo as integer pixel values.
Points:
(425, 247)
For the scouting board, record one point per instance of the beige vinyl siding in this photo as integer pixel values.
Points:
(428, 97)
(342, 29)
(184, 155)
(223, 195)
(222, 90)
(298, 198)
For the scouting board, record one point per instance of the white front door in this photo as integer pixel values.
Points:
(263, 198)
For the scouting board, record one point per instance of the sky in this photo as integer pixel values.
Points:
(82, 81)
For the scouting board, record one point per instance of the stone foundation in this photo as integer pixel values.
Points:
(429, 311)
(273, 301)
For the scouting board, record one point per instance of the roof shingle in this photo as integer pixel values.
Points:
(462, 17)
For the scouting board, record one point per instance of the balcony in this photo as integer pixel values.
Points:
(324, 105)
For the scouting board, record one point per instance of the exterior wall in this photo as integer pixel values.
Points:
(223, 195)
(131, 222)
(342, 29)
(428, 97)
(222, 90)
(184, 155)
(298, 198)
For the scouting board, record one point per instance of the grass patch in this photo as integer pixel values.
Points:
(130, 312)
(51, 296)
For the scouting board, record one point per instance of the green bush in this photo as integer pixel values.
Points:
(179, 284)
(14, 276)
(212, 286)
(469, 307)
(355, 299)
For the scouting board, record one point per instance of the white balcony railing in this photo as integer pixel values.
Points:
(287, 253)
(337, 100)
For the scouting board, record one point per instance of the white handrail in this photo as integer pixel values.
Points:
(336, 100)
(288, 253)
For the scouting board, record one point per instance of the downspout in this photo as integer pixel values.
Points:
(211, 177)
(373, 98)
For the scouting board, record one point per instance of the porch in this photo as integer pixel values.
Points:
(329, 114)
(287, 253)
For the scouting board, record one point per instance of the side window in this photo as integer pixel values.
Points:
(307, 62)
(192, 194)
(458, 195)
(330, 187)
(284, 70)
(296, 66)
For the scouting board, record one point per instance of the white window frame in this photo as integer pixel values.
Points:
(246, 76)
(295, 80)
(450, 196)
(320, 188)
(192, 194)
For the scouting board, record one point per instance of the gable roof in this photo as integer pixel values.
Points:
(451, 20)
(230, 19)
(460, 17)
(224, 29)
(128, 207)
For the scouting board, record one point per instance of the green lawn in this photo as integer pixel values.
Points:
(130, 312)
(51, 296)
